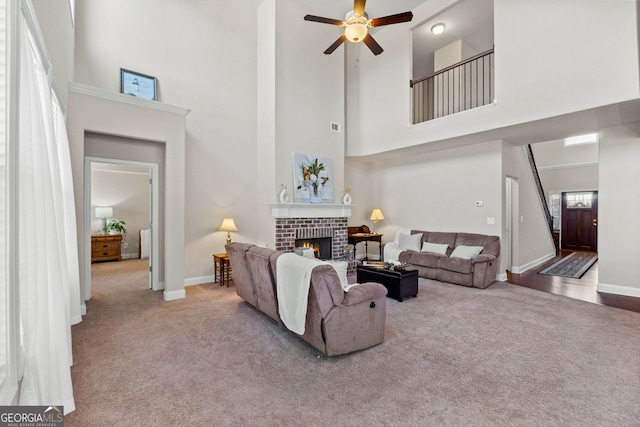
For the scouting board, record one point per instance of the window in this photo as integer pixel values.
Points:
(554, 209)
(572, 141)
(579, 200)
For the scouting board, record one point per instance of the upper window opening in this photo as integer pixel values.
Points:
(590, 138)
(452, 67)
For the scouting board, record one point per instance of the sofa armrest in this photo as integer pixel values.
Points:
(482, 258)
(391, 252)
(364, 292)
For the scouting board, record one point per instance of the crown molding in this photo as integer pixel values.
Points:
(126, 99)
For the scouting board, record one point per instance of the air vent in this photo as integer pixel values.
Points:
(335, 127)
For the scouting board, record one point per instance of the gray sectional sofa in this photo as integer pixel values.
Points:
(337, 322)
(460, 258)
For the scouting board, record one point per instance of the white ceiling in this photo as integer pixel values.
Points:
(375, 8)
(468, 20)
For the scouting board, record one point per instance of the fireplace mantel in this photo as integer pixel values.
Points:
(309, 210)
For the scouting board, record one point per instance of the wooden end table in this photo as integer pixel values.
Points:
(354, 239)
(222, 267)
(400, 284)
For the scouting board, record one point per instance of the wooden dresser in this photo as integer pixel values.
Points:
(105, 247)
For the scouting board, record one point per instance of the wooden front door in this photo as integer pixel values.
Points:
(579, 230)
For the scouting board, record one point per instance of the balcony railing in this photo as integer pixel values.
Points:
(462, 86)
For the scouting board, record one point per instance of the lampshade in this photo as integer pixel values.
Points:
(104, 212)
(356, 28)
(228, 225)
(376, 215)
(356, 32)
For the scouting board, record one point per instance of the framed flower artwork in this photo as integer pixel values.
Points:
(312, 178)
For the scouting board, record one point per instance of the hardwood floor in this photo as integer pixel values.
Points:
(583, 289)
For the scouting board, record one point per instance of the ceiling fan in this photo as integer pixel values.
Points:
(357, 25)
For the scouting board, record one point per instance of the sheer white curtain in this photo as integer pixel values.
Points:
(48, 274)
(4, 282)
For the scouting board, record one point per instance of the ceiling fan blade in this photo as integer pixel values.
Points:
(323, 20)
(392, 19)
(335, 44)
(358, 7)
(372, 44)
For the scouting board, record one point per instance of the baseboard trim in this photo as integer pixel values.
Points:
(532, 264)
(627, 291)
(191, 281)
(501, 277)
(130, 256)
(83, 309)
(174, 295)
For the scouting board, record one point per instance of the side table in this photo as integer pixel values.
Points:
(222, 267)
(354, 239)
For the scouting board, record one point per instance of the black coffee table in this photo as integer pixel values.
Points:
(399, 284)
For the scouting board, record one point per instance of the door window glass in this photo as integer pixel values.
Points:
(579, 200)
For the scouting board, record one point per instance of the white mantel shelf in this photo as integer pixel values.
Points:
(309, 210)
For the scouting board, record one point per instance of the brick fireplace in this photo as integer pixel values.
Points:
(308, 221)
(288, 230)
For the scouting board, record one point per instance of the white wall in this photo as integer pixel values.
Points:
(105, 113)
(258, 92)
(553, 153)
(531, 38)
(309, 93)
(432, 191)
(301, 92)
(618, 207)
(532, 239)
(54, 17)
(204, 55)
(569, 179)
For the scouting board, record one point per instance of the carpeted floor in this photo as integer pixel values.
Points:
(453, 356)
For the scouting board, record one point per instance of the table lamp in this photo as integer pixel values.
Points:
(376, 216)
(228, 225)
(104, 212)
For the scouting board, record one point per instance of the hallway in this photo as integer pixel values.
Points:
(582, 289)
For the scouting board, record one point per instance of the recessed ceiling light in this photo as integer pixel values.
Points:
(437, 29)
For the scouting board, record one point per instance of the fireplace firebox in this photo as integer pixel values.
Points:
(321, 246)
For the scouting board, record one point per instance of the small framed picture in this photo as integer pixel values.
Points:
(137, 84)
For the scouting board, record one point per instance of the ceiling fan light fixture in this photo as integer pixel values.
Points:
(356, 32)
(437, 29)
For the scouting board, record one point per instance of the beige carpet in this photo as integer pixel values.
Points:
(454, 356)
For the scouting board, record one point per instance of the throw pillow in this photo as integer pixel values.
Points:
(466, 252)
(435, 248)
(410, 242)
(401, 231)
(341, 269)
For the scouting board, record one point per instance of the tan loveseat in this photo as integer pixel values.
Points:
(337, 322)
(470, 270)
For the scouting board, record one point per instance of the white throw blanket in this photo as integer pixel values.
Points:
(293, 277)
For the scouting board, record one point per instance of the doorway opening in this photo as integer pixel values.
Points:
(579, 221)
(128, 190)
